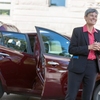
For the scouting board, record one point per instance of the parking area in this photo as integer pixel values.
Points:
(17, 97)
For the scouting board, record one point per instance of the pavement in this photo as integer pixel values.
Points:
(17, 97)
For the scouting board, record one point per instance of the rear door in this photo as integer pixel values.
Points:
(17, 62)
(55, 59)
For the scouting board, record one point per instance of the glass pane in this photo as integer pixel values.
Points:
(15, 41)
(57, 2)
(4, 12)
(55, 43)
(32, 41)
(1, 39)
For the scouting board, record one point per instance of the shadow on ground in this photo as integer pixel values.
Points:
(17, 97)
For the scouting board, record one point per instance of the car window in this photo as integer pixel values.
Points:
(15, 41)
(55, 43)
(32, 41)
(1, 40)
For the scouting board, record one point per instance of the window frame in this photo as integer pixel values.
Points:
(49, 34)
(5, 33)
(5, 7)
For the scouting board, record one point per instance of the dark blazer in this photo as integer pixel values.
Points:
(79, 49)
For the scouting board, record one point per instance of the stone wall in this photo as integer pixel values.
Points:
(27, 14)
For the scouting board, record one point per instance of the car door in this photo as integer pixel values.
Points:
(17, 64)
(55, 59)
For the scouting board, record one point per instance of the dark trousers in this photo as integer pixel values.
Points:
(88, 79)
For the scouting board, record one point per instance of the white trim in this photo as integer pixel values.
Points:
(5, 0)
(97, 0)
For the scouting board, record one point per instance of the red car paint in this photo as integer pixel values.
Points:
(39, 67)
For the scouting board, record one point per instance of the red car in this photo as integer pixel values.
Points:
(36, 64)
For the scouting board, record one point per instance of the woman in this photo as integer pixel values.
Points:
(83, 67)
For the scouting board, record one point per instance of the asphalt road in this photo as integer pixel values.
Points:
(17, 97)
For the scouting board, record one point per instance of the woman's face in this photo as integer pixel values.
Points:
(91, 18)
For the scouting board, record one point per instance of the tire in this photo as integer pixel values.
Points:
(1, 90)
(96, 93)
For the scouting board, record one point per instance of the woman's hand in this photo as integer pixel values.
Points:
(95, 46)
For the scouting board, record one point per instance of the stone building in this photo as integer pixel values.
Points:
(26, 14)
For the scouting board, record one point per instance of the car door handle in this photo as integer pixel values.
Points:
(52, 63)
(4, 54)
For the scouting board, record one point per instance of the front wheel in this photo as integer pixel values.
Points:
(96, 93)
(1, 90)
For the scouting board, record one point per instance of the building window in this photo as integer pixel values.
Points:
(5, 7)
(4, 12)
(57, 2)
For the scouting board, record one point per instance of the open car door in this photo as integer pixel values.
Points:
(54, 61)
